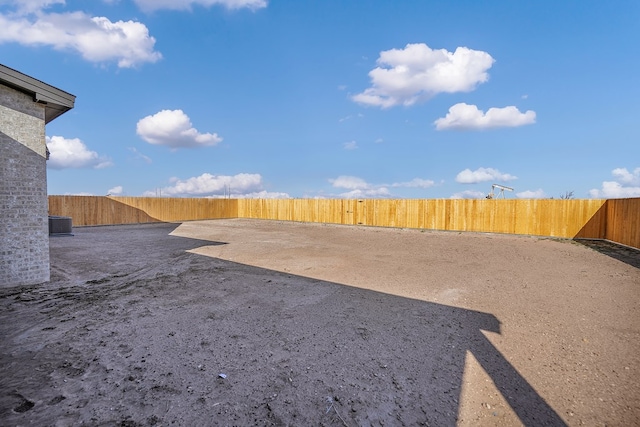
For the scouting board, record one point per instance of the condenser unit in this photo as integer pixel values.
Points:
(60, 225)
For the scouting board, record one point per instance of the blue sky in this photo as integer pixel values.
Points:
(329, 99)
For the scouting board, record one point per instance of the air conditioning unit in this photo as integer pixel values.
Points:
(60, 225)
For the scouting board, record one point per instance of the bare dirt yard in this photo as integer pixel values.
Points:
(242, 322)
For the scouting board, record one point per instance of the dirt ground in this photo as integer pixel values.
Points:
(242, 322)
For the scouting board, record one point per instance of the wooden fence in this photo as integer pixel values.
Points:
(95, 210)
(617, 220)
(559, 218)
(623, 221)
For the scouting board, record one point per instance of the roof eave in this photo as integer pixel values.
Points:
(56, 101)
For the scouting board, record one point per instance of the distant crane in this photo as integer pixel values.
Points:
(491, 195)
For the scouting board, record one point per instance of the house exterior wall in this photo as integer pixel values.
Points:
(24, 233)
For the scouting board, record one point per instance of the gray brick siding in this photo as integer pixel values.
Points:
(24, 234)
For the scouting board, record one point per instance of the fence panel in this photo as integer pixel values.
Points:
(617, 220)
(94, 210)
(623, 221)
(559, 218)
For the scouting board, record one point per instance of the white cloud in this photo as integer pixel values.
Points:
(614, 190)
(529, 194)
(256, 195)
(213, 185)
(467, 117)
(369, 193)
(173, 128)
(349, 182)
(625, 177)
(468, 194)
(149, 5)
(349, 117)
(627, 184)
(351, 145)
(80, 193)
(359, 188)
(73, 153)
(115, 191)
(97, 39)
(415, 183)
(417, 73)
(30, 6)
(139, 155)
(468, 176)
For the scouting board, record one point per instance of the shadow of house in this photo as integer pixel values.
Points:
(26, 106)
(378, 358)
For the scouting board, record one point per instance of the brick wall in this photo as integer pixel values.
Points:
(24, 234)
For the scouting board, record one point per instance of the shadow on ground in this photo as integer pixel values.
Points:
(622, 253)
(132, 330)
